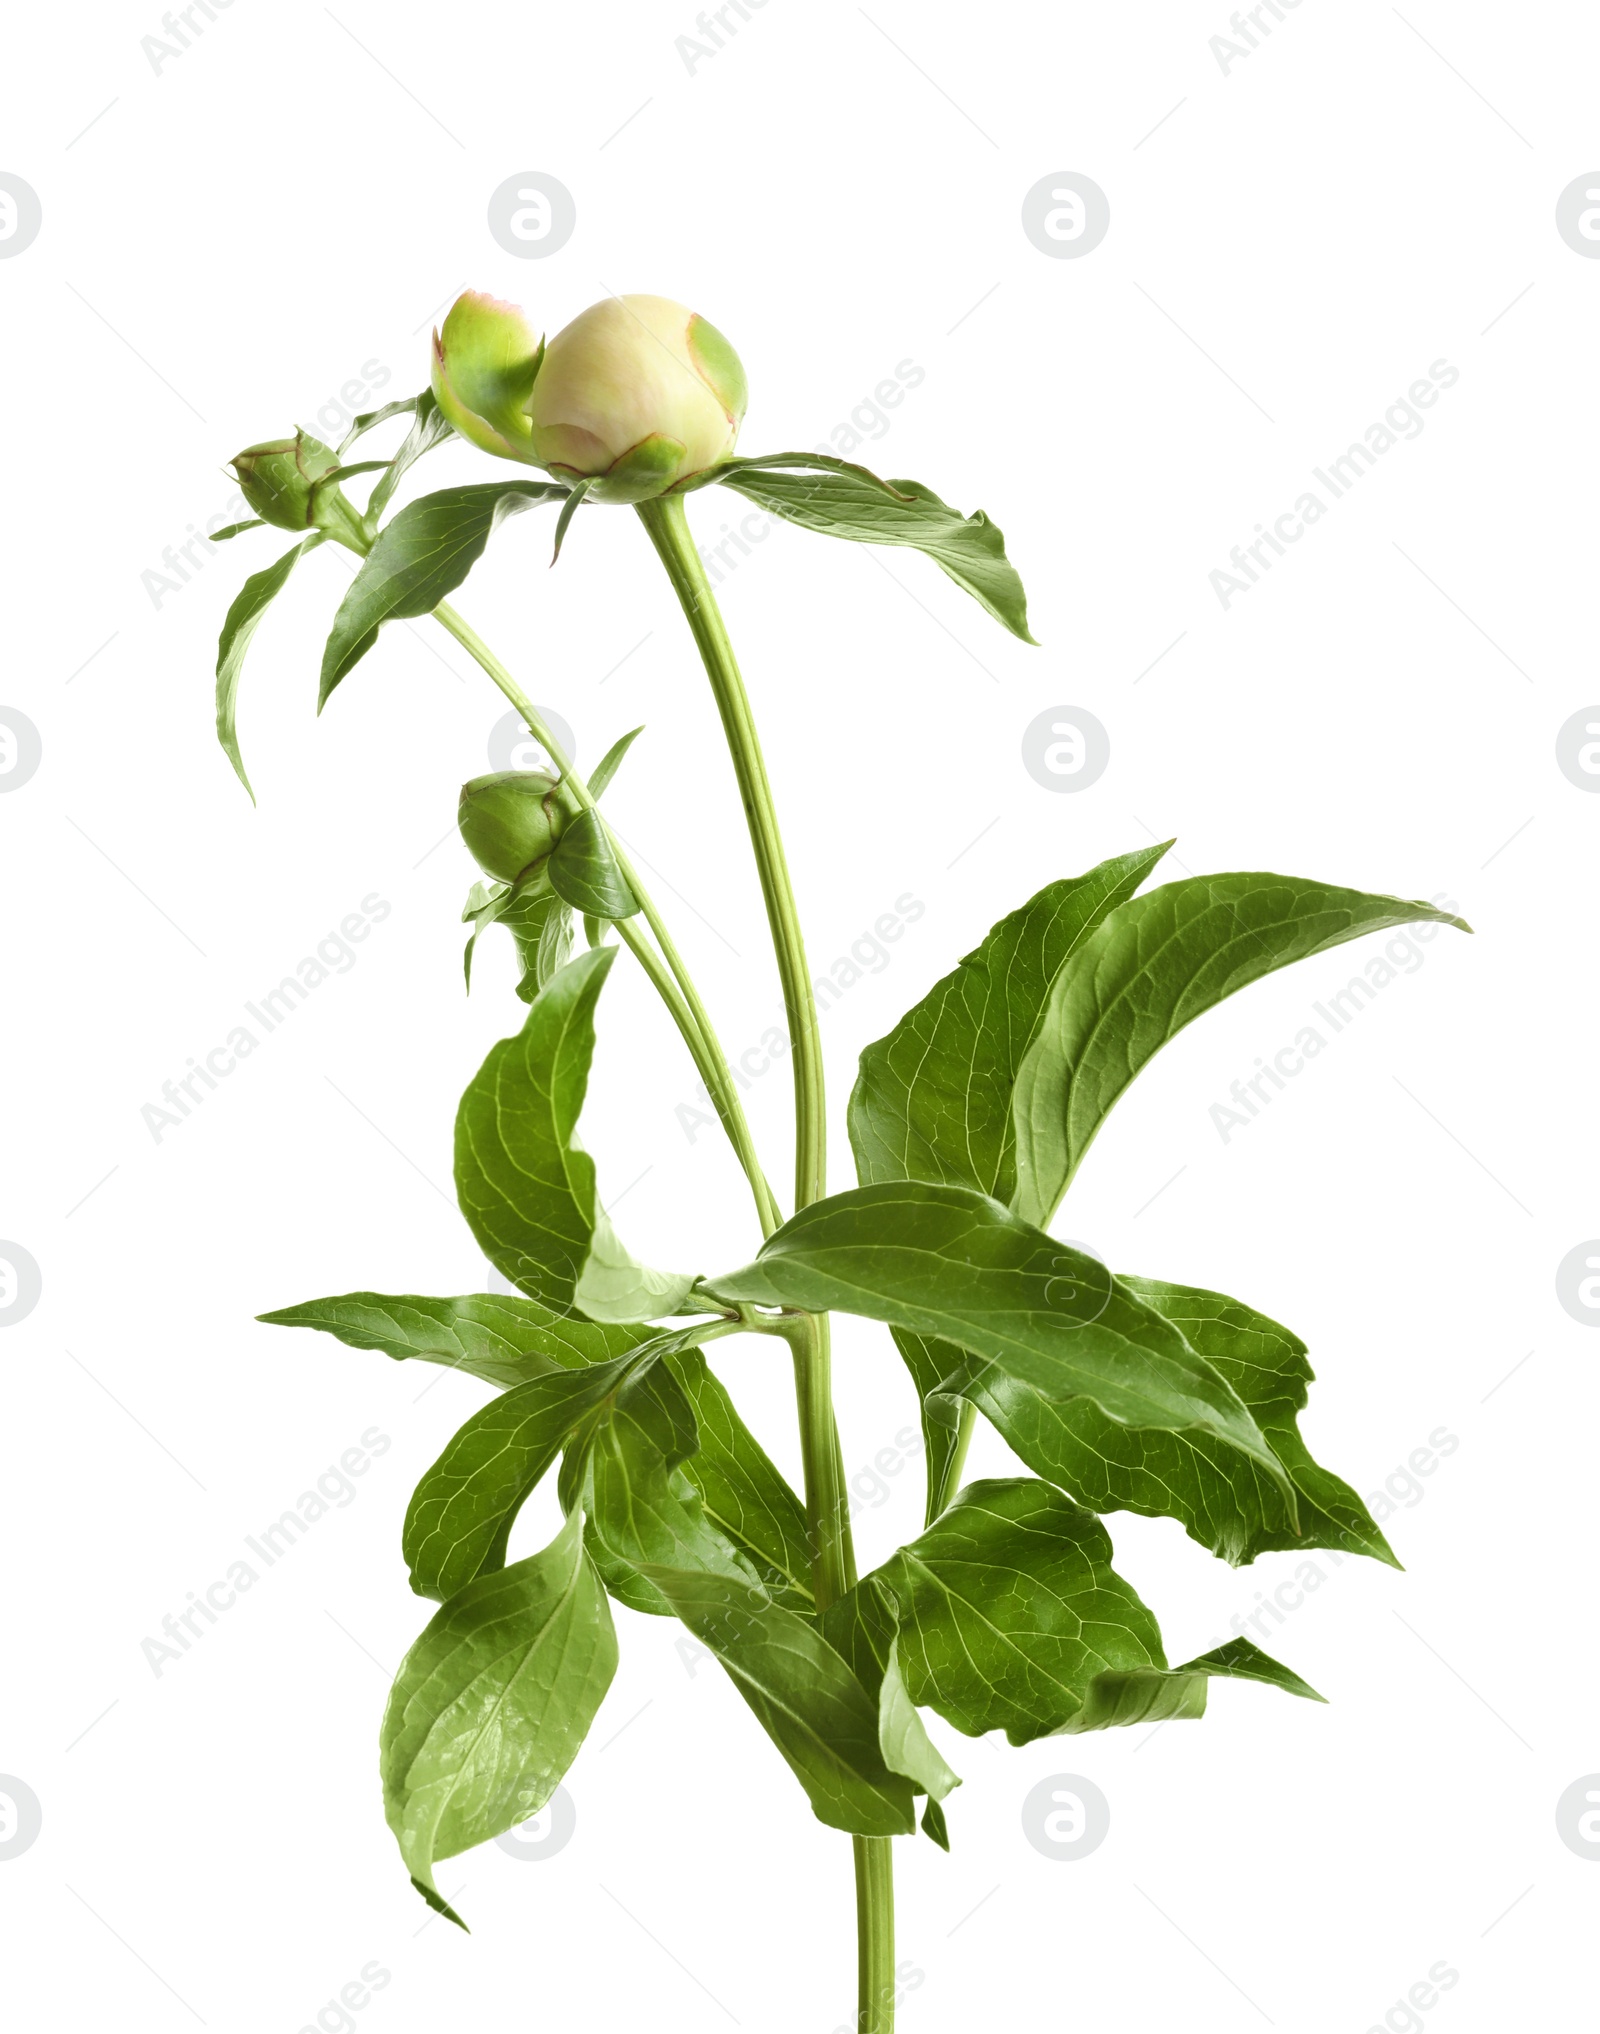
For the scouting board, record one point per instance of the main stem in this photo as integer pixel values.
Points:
(827, 1508)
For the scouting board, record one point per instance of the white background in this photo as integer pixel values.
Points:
(298, 194)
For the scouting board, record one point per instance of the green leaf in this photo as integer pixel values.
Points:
(1221, 1499)
(491, 1704)
(863, 1628)
(424, 554)
(584, 870)
(744, 1495)
(402, 406)
(538, 920)
(934, 1824)
(504, 1339)
(823, 1722)
(933, 1099)
(1178, 1694)
(235, 529)
(461, 1513)
(526, 1188)
(239, 626)
(1008, 1609)
(606, 768)
(847, 501)
(569, 508)
(430, 427)
(949, 1262)
(644, 1512)
(1153, 966)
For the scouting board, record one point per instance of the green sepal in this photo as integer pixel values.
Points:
(234, 529)
(569, 508)
(584, 870)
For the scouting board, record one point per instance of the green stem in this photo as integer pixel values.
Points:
(827, 1508)
(674, 982)
(941, 1493)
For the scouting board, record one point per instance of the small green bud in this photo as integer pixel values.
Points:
(510, 820)
(279, 479)
(485, 358)
(638, 394)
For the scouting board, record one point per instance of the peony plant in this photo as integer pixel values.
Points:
(967, 1122)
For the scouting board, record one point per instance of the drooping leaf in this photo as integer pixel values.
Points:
(1009, 1607)
(1151, 967)
(569, 508)
(1222, 1499)
(423, 555)
(505, 1339)
(745, 1496)
(932, 1100)
(584, 870)
(239, 626)
(491, 1704)
(863, 1628)
(1178, 1694)
(644, 1511)
(846, 501)
(948, 1262)
(526, 1188)
(607, 767)
(429, 427)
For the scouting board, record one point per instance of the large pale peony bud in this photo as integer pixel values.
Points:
(637, 394)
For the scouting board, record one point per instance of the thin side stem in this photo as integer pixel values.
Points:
(827, 1509)
(688, 1011)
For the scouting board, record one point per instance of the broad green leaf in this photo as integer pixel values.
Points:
(424, 554)
(744, 1495)
(584, 870)
(461, 1513)
(847, 501)
(430, 427)
(1178, 1694)
(1153, 966)
(948, 1262)
(811, 1705)
(863, 1628)
(644, 1511)
(239, 626)
(491, 1704)
(608, 764)
(526, 1188)
(504, 1339)
(1222, 1500)
(933, 1099)
(1008, 1609)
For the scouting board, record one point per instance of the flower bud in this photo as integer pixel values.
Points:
(509, 820)
(637, 394)
(279, 479)
(484, 361)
